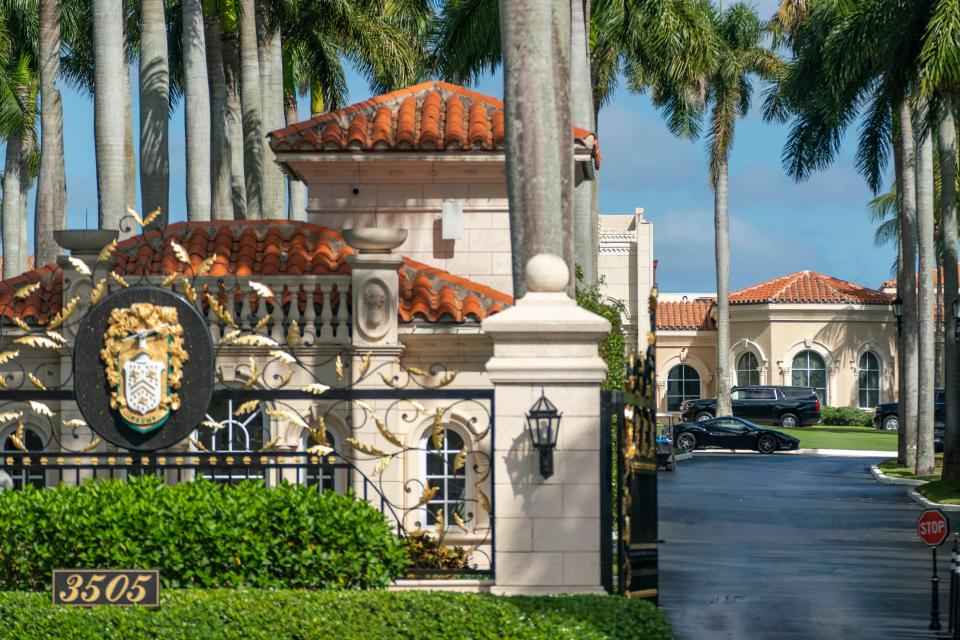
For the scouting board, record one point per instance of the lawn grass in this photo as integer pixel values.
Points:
(834, 437)
(942, 491)
(895, 470)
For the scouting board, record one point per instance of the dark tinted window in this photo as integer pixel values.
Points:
(798, 392)
(683, 383)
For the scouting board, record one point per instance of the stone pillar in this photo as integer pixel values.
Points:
(547, 530)
(375, 285)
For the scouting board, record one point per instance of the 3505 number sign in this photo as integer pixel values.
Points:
(91, 587)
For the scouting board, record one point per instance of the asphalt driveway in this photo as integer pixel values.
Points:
(792, 547)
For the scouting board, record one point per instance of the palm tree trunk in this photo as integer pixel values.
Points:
(721, 222)
(926, 305)
(26, 181)
(10, 211)
(129, 151)
(560, 35)
(154, 112)
(220, 168)
(909, 340)
(197, 112)
(533, 137)
(902, 283)
(234, 124)
(51, 204)
(581, 113)
(271, 87)
(947, 140)
(298, 190)
(108, 55)
(251, 101)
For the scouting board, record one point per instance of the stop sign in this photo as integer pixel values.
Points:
(933, 527)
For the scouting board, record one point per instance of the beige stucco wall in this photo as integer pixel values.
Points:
(409, 194)
(775, 333)
(625, 262)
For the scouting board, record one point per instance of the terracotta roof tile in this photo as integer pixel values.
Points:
(808, 287)
(432, 116)
(685, 315)
(268, 247)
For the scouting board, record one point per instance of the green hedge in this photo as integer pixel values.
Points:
(198, 534)
(846, 417)
(377, 615)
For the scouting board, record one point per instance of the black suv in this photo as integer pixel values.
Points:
(887, 415)
(784, 406)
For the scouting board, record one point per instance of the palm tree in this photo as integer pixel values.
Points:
(109, 63)
(197, 112)
(154, 110)
(234, 139)
(727, 93)
(581, 114)
(251, 103)
(51, 202)
(947, 148)
(220, 150)
(18, 110)
(271, 87)
(535, 120)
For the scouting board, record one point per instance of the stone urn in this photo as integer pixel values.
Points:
(374, 240)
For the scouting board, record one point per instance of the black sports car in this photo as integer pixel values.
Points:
(731, 433)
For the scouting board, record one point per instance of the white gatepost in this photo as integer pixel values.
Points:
(547, 530)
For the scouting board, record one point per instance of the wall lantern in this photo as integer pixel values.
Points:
(956, 319)
(543, 423)
(898, 314)
(451, 219)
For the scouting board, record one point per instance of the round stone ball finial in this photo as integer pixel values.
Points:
(547, 272)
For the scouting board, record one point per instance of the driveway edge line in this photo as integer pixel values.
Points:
(880, 476)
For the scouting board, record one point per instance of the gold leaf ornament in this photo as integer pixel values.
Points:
(36, 381)
(460, 522)
(247, 407)
(316, 388)
(199, 445)
(271, 444)
(153, 215)
(320, 449)
(80, 266)
(118, 279)
(169, 279)
(107, 251)
(283, 356)
(437, 430)
(7, 356)
(382, 465)
(10, 416)
(441, 522)
(447, 378)
(98, 291)
(230, 337)
(93, 445)
(261, 289)
(75, 422)
(484, 501)
(24, 292)
(253, 375)
(370, 450)
(135, 215)
(338, 366)
(388, 435)
(65, 313)
(180, 252)
(20, 323)
(293, 333)
(365, 364)
(428, 494)
(212, 424)
(417, 371)
(285, 380)
(460, 459)
(56, 337)
(224, 315)
(387, 380)
(207, 264)
(254, 340)
(189, 291)
(262, 322)
(289, 416)
(37, 342)
(40, 409)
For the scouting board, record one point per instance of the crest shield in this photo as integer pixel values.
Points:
(143, 355)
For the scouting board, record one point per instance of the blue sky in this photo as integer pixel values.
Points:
(777, 226)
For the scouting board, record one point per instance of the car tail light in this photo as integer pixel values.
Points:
(818, 405)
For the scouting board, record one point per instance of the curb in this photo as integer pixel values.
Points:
(684, 456)
(919, 499)
(880, 476)
(849, 453)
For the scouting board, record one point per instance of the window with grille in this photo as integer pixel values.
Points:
(237, 434)
(451, 483)
(809, 370)
(683, 383)
(869, 381)
(22, 476)
(748, 370)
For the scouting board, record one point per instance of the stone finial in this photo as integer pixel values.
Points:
(548, 273)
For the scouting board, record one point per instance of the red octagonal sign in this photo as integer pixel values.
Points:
(933, 527)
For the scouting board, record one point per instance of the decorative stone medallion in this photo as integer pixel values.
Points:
(143, 368)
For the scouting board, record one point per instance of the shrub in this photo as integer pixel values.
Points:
(426, 552)
(613, 348)
(198, 534)
(378, 615)
(846, 417)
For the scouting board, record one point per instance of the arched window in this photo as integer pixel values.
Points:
(748, 369)
(330, 474)
(239, 433)
(683, 383)
(21, 476)
(808, 370)
(448, 476)
(869, 383)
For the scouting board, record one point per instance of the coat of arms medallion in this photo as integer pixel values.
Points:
(144, 356)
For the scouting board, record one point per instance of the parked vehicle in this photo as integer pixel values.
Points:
(887, 415)
(730, 432)
(784, 406)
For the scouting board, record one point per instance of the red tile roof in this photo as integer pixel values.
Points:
(431, 116)
(808, 287)
(264, 248)
(937, 279)
(685, 315)
(803, 287)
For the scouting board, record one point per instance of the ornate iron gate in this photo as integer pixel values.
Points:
(628, 527)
